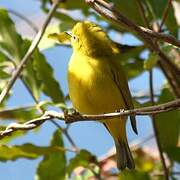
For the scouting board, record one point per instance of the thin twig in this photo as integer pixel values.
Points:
(142, 12)
(96, 175)
(165, 14)
(152, 103)
(75, 117)
(65, 132)
(152, 100)
(134, 145)
(110, 12)
(175, 173)
(8, 110)
(143, 97)
(28, 54)
(161, 36)
(41, 110)
(120, 18)
(166, 64)
(137, 145)
(167, 67)
(166, 173)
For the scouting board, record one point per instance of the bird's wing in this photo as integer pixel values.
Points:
(120, 80)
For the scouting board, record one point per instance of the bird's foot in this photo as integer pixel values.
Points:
(70, 115)
(120, 110)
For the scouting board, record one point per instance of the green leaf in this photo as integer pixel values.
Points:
(4, 61)
(15, 47)
(133, 175)
(168, 123)
(45, 74)
(19, 113)
(2, 57)
(174, 153)
(73, 5)
(67, 25)
(167, 48)
(67, 21)
(46, 42)
(130, 60)
(10, 40)
(158, 10)
(133, 67)
(4, 75)
(28, 151)
(60, 37)
(53, 165)
(151, 61)
(125, 7)
(83, 158)
(29, 76)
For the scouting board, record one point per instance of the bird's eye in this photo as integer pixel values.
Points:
(74, 38)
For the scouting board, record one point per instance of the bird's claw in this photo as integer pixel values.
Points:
(120, 110)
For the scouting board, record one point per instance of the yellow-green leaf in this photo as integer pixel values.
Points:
(44, 71)
(151, 61)
(83, 158)
(61, 37)
(53, 165)
(133, 175)
(28, 151)
(168, 123)
(19, 113)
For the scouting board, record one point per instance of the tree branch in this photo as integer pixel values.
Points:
(65, 132)
(120, 18)
(28, 54)
(151, 89)
(42, 110)
(142, 12)
(156, 133)
(110, 12)
(165, 14)
(75, 117)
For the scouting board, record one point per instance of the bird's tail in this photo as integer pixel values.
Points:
(124, 156)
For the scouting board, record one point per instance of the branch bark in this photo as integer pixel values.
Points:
(149, 37)
(28, 54)
(120, 18)
(156, 133)
(151, 89)
(76, 117)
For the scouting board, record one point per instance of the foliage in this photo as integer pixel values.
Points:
(53, 165)
(39, 80)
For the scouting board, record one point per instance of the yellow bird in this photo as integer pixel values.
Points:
(97, 83)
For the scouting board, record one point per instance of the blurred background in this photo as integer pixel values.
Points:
(91, 136)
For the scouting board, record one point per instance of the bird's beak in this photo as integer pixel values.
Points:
(64, 37)
(68, 33)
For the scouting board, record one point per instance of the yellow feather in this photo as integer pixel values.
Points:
(97, 83)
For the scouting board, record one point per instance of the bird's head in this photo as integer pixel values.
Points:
(87, 38)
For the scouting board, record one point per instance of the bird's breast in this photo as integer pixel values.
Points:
(91, 87)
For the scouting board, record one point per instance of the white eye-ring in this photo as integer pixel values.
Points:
(74, 37)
